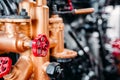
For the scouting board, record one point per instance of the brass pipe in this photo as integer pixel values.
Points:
(40, 23)
(10, 37)
(15, 44)
(53, 42)
(41, 2)
(57, 28)
(40, 26)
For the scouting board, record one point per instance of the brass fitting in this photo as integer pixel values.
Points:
(13, 39)
(56, 30)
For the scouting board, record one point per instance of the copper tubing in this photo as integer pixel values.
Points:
(84, 11)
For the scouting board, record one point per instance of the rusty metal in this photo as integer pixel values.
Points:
(16, 35)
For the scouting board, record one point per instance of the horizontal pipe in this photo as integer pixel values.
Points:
(13, 44)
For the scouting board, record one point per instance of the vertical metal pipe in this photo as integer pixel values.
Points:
(41, 21)
(40, 26)
(41, 2)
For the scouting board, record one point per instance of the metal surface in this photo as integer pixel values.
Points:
(16, 35)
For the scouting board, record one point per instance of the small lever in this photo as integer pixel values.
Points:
(76, 11)
(83, 11)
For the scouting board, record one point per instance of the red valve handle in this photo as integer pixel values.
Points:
(40, 46)
(116, 44)
(116, 47)
(70, 5)
(5, 66)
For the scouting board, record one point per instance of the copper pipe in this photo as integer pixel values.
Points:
(40, 26)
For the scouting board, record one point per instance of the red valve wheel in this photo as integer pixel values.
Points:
(70, 5)
(116, 47)
(5, 66)
(116, 44)
(40, 46)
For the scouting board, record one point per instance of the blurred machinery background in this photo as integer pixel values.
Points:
(59, 39)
